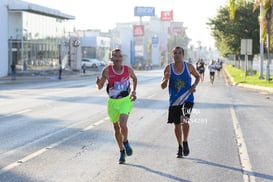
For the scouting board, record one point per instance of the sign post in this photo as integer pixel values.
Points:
(246, 49)
(139, 30)
(155, 50)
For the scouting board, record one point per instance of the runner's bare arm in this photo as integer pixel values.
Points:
(134, 79)
(195, 74)
(165, 78)
(134, 85)
(101, 80)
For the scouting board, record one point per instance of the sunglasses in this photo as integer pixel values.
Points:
(117, 55)
(175, 53)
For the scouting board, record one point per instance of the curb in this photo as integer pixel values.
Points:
(230, 81)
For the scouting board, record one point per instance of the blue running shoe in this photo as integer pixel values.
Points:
(122, 157)
(128, 148)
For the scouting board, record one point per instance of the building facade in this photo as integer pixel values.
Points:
(151, 44)
(36, 39)
(95, 45)
(33, 37)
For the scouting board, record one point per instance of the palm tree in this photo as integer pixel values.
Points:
(266, 28)
(265, 5)
(265, 15)
(232, 9)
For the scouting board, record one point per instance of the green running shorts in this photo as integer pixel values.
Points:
(115, 107)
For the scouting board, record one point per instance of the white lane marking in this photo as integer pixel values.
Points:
(16, 113)
(95, 124)
(19, 162)
(43, 150)
(248, 174)
(19, 112)
(23, 111)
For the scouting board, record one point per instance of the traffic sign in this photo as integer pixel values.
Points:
(246, 46)
(154, 40)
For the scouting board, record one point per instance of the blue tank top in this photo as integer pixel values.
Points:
(179, 83)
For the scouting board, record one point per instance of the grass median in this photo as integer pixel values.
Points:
(240, 76)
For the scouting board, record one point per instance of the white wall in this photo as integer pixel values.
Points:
(15, 25)
(126, 35)
(4, 38)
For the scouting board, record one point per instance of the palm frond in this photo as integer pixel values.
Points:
(232, 9)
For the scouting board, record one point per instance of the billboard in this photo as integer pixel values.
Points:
(138, 30)
(144, 11)
(175, 30)
(166, 15)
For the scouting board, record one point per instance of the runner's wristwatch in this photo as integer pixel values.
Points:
(133, 93)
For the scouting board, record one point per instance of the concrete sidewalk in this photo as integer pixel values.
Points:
(29, 77)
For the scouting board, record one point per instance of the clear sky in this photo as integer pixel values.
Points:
(104, 14)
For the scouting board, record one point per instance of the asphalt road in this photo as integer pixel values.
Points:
(59, 131)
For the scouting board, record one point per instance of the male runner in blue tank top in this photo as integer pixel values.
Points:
(177, 76)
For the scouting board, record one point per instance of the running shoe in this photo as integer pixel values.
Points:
(179, 152)
(128, 148)
(186, 149)
(122, 157)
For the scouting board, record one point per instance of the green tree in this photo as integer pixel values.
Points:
(265, 17)
(228, 34)
(266, 27)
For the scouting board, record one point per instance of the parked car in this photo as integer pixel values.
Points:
(91, 62)
(108, 62)
(102, 63)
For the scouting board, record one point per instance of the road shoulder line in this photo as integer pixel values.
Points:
(248, 174)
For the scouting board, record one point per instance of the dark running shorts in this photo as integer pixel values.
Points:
(175, 112)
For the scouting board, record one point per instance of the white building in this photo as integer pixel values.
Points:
(150, 49)
(32, 37)
(94, 45)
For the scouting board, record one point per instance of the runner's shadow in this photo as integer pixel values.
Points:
(206, 105)
(157, 172)
(250, 173)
